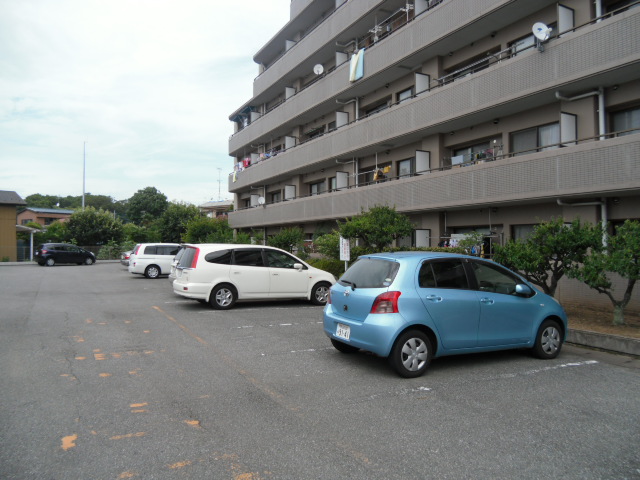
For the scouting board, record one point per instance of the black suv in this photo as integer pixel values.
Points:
(51, 253)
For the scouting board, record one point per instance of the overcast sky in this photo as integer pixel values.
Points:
(147, 84)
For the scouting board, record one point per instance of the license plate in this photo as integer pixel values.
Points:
(343, 331)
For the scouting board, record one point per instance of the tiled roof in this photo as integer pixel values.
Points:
(11, 198)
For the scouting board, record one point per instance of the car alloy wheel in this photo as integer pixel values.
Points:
(152, 271)
(88, 261)
(223, 297)
(320, 293)
(50, 262)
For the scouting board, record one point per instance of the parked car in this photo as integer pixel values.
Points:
(51, 253)
(415, 306)
(152, 259)
(222, 274)
(124, 258)
(174, 263)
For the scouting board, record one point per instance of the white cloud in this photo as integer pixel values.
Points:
(147, 84)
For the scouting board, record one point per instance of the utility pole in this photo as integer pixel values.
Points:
(84, 167)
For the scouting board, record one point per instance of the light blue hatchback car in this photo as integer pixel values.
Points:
(415, 306)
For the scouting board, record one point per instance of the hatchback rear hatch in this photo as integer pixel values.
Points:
(357, 290)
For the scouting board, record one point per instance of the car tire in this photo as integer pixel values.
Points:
(223, 297)
(50, 262)
(152, 271)
(88, 261)
(411, 354)
(320, 293)
(343, 347)
(548, 342)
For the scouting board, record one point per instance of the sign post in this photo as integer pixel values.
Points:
(345, 251)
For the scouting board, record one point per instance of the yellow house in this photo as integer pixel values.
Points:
(8, 219)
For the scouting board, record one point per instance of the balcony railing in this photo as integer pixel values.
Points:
(476, 158)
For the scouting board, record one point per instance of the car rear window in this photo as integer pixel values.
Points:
(186, 260)
(370, 273)
(222, 257)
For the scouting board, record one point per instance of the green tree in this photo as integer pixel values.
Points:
(56, 232)
(621, 257)
(328, 245)
(146, 205)
(173, 222)
(208, 230)
(551, 251)
(288, 239)
(377, 228)
(37, 200)
(94, 227)
(136, 233)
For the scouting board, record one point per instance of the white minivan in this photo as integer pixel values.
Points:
(152, 259)
(222, 274)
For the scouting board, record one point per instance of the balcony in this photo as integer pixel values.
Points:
(589, 169)
(584, 60)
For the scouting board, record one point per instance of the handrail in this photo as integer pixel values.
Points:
(476, 161)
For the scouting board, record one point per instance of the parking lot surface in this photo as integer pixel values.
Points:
(107, 375)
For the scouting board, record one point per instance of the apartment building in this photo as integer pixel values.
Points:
(452, 111)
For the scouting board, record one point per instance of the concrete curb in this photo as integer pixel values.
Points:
(611, 343)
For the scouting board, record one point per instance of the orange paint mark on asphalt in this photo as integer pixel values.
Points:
(69, 441)
(184, 329)
(96, 350)
(146, 331)
(133, 372)
(180, 464)
(105, 375)
(127, 321)
(138, 405)
(81, 358)
(99, 356)
(193, 423)
(128, 435)
(127, 475)
(89, 320)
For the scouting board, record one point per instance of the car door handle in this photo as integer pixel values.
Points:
(487, 301)
(434, 298)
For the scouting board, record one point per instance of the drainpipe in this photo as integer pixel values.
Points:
(357, 100)
(598, 5)
(601, 116)
(603, 214)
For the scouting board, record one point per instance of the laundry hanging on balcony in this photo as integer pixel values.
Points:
(356, 67)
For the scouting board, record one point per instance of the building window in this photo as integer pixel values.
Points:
(316, 188)
(333, 184)
(470, 153)
(626, 120)
(544, 137)
(276, 197)
(406, 168)
(405, 95)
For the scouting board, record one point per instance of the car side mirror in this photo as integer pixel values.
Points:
(298, 266)
(523, 290)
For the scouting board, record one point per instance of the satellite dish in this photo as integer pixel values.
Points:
(541, 31)
(260, 200)
(318, 69)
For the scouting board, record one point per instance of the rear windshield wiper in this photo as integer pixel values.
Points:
(353, 285)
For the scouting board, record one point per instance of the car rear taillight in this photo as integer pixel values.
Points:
(136, 250)
(194, 261)
(329, 298)
(386, 303)
(43, 251)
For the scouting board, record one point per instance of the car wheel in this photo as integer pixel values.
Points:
(411, 354)
(223, 297)
(152, 271)
(320, 293)
(50, 262)
(343, 347)
(548, 340)
(88, 261)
